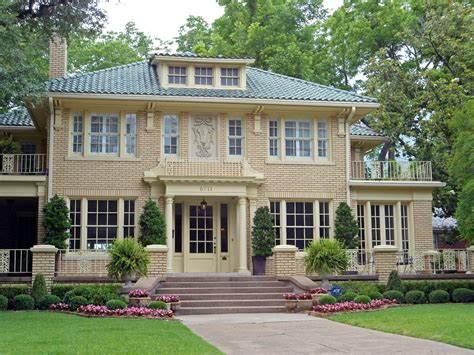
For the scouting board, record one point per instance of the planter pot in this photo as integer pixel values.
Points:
(259, 265)
(317, 297)
(139, 301)
(305, 305)
(127, 280)
(175, 307)
(291, 305)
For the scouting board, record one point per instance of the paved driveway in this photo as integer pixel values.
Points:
(301, 334)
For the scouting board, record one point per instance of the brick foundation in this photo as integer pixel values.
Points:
(285, 260)
(385, 261)
(158, 255)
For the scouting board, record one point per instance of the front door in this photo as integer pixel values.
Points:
(202, 239)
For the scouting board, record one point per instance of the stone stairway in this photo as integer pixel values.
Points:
(226, 294)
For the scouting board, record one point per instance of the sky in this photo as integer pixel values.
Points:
(161, 18)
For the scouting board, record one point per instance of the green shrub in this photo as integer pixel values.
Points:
(157, 305)
(362, 299)
(23, 302)
(263, 235)
(152, 225)
(358, 287)
(3, 303)
(463, 295)
(60, 290)
(439, 296)
(39, 288)
(56, 222)
(375, 296)
(429, 286)
(127, 257)
(394, 295)
(381, 287)
(346, 227)
(394, 282)
(94, 294)
(415, 297)
(11, 291)
(77, 301)
(47, 300)
(116, 304)
(347, 296)
(327, 299)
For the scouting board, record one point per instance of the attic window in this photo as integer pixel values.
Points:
(177, 75)
(203, 76)
(229, 76)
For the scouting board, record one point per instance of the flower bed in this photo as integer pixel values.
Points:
(138, 293)
(103, 311)
(168, 298)
(352, 306)
(297, 296)
(318, 291)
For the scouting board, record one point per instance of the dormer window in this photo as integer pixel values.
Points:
(203, 76)
(177, 75)
(230, 76)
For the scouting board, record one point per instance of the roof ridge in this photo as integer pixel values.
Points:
(311, 83)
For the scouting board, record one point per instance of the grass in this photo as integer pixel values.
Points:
(56, 333)
(446, 323)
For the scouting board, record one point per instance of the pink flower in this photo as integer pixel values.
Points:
(352, 306)
(318, 291)
(91, 309)
(297, 296)
(138, 293)
(168, 298)
(59, 307)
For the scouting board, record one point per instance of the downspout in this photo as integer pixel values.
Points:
(50, 148)
(348, 153)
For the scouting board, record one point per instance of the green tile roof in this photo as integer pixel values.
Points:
(16, 117)
(140, 79)
(360, 129)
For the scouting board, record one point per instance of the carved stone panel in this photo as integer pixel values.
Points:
(203, 136)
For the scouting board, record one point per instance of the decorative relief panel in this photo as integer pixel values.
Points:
(203, 136)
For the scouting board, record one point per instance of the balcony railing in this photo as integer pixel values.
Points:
(391, 170)
(196, 167)
(23, 164)
(15, 261)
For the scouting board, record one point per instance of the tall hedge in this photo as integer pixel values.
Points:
(152, 225)
(346, 227)
(56, 222)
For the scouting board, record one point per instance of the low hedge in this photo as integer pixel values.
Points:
(327, 299)
(362, 299)
(94, 294)
(158, 305)
(375, 296)
(60, 290)
(23, 303)
(77, 301)
(347, 296)
(116, 304)
(439, 296)
(415, 297)
(463, 295)
(359, 287)
(11, 291)
(47, 300)
(3, 303)
(429, 286)
(394, 295)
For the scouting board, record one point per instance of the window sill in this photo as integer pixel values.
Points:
(299, 162)
(102, 158)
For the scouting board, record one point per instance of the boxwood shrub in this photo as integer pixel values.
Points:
(47, 300)
(439, 296)
(158, 305)
(116, 304)
(362, 299)
(429, 286)
(359, 287)
(463, 295)
(327, 299)
(77, 301)
(415, 297)
(375, 296)
(11, 291)
(94, 294)
(3, 303)
(347, 296)
(394, 295)
(23, 303)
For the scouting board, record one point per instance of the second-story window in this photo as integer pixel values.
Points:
(177, 75)
(229, 76)
(298, 138)
(203, 76)
(104, 133)
(170, 134)
(322, 139)
(131, 133)
(235, 137)
(77, 133)
(273, 136)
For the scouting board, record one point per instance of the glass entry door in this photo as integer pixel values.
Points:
(201, 230)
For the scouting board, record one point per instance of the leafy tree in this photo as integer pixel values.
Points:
(152, 225)
(346, 227)
(263, 235)
(56, 222)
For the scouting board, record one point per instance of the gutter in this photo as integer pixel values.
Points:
(50, 148)
(348, 154)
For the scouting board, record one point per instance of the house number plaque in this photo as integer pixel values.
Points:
(205, 189)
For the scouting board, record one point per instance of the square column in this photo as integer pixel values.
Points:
(169, 231)
(242, 209)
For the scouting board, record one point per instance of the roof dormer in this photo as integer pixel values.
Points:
(188, 70)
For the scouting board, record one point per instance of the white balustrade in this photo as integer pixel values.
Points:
(391, 170)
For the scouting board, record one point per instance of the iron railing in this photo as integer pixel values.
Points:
(15, 261)
(23, 164)
(391, 170)
(81, 263)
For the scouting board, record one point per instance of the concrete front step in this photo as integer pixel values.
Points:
(228, 310)
(228, 296)
(233, 303)
(218, 278)
(195, 290)
(239, 283)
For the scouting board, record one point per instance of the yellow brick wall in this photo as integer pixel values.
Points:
(423, 232)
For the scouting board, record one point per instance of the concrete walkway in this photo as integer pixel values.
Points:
(283, 333)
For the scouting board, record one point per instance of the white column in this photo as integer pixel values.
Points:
(169, 231)
(398, 225)
(368, 225)
(120, 219)
(283, 222)
(243, 235)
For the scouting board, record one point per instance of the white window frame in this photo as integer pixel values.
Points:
(275, 139)
(322, 140)
(104, 136)
(77, 133)
(325, 215)
(127, 216)
(297, 226)
(171, 135)
(225, 78)
(176, 76)
(389, 228)
(200, 76)
(276, 219)
(76, 228)
(97, 225)
(298, 139)
(236, 137)
(130, 134)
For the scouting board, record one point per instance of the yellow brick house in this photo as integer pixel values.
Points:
(209, 139)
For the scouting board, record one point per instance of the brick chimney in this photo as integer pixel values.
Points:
(57, 57)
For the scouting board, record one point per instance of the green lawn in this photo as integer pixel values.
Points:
(446, 323)
(56, 333)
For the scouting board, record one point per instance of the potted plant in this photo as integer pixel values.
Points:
(139, 297)
(127, 260)
(291, 301)
(324, 257)
(263, 239)
(152, 225)
(317, 293)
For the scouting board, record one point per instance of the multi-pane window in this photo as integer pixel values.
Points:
(299, 224)
(177, 75)
(324, 220)
(235, 136)
(322, 139)
(229, 76)
(75, 230)
(178, 228)
(77, 133)
(128, 218)
(101, 224)
(389, 225)
(201, 230)
(170, 134)
(298, 138)
(273, 134)
(361, 234)
(405, 235)
(203, 76)
(104, 133)
(375, 221)
(275, 212)
(131, 133)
